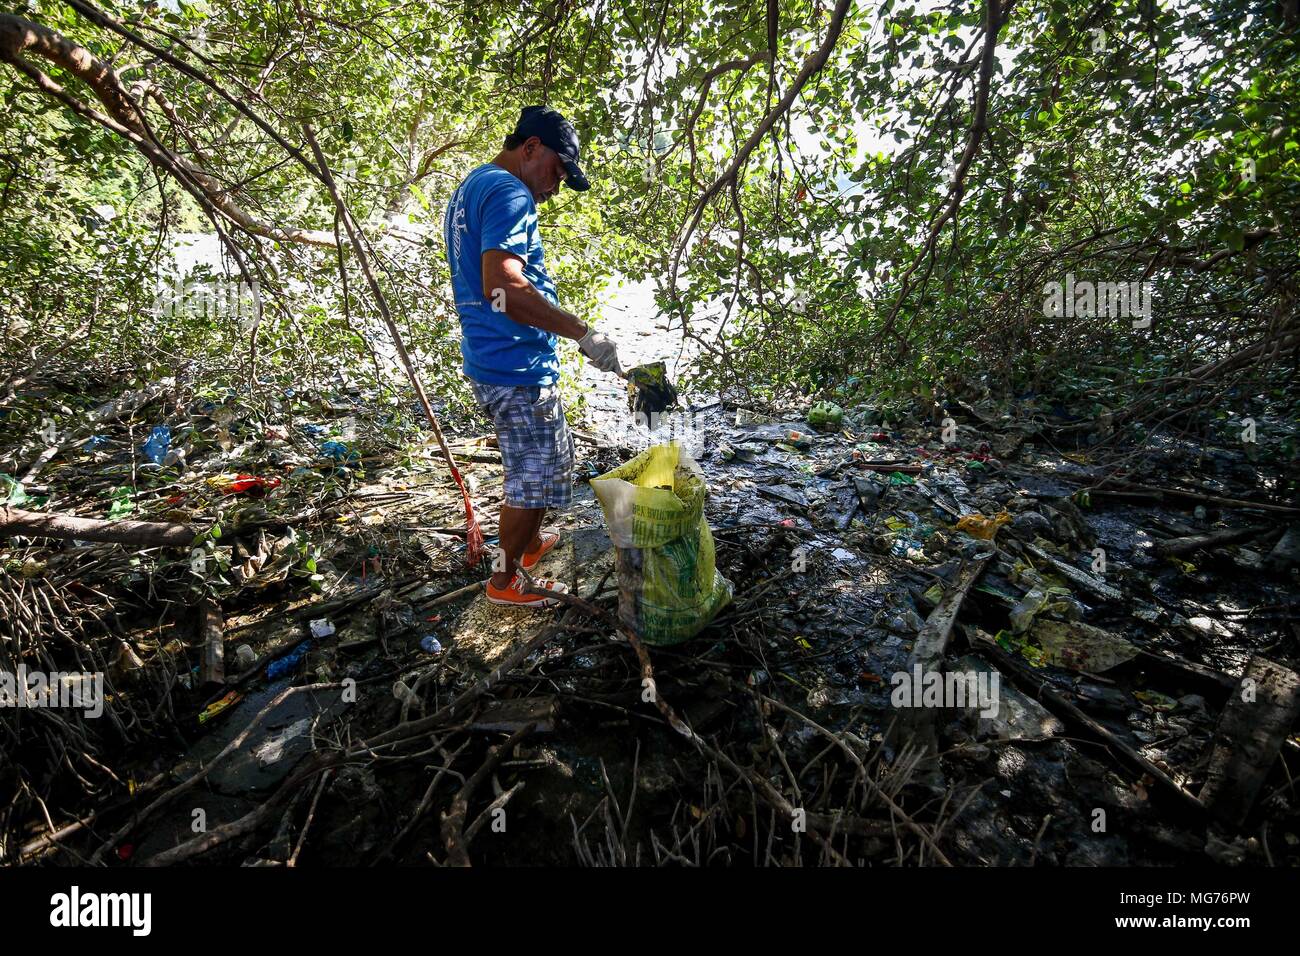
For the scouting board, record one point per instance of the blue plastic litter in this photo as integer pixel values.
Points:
(289, 662)
(94, 442)
(314, 430)
(338, 451)
(431, 645)
(159, 443)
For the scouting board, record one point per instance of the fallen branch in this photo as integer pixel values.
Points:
(453, 821)
(1214, 539)
(1249, 738)
(142, 534)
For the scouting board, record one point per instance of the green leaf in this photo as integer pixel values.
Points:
(122, 503)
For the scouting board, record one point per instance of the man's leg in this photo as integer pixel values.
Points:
(517, 530)
(536, 456)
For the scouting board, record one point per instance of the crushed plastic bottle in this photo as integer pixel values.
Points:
(1022, 615)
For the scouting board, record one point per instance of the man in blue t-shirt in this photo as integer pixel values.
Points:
(510, 321)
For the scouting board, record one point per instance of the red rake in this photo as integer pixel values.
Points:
(473, 533)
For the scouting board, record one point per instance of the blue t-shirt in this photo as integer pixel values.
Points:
(493, 209)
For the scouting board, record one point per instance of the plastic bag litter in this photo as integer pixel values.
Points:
(1081, 647)
(158, 444)
(669, 585)
(979, 526)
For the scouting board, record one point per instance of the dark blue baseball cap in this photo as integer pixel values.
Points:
(558, 134)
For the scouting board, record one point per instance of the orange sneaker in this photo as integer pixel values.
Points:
(549, 540)
(513, 593)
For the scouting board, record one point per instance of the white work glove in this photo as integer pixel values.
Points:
(601, 351)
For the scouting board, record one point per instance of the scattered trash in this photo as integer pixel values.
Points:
(122, 504)
(741, 451)
(649, 391)
(795, 440)
(158, 444)
(289, 662)
(1036, 600)
(245, 657)
(272, 750)
(13, 491)
(826, 416)
(430, 645)
(1073, 645)
(219, 707)
(979, 526)
(322, 628)
(239, 484)
(337, 451)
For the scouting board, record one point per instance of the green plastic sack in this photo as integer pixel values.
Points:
(669, 586)
(826, 416)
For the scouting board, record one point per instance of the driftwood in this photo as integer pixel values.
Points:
(915, 726)
(1214, 539)
(1249, 738)
(142, 534)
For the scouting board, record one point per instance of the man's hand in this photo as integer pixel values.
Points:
(601, 350)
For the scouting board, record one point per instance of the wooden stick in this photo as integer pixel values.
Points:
(1213, 539)
(474, 536)
(144, 534)
(916, 724)
(453, 821)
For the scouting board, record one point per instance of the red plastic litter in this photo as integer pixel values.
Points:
(251, 485)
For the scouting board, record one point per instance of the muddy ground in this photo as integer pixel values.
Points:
(838, 545)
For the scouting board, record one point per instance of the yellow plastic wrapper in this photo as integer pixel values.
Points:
(978, 526)
(668, 582)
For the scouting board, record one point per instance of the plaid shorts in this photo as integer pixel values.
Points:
(536, 447)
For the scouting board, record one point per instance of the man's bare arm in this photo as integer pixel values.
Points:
(523, 303)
